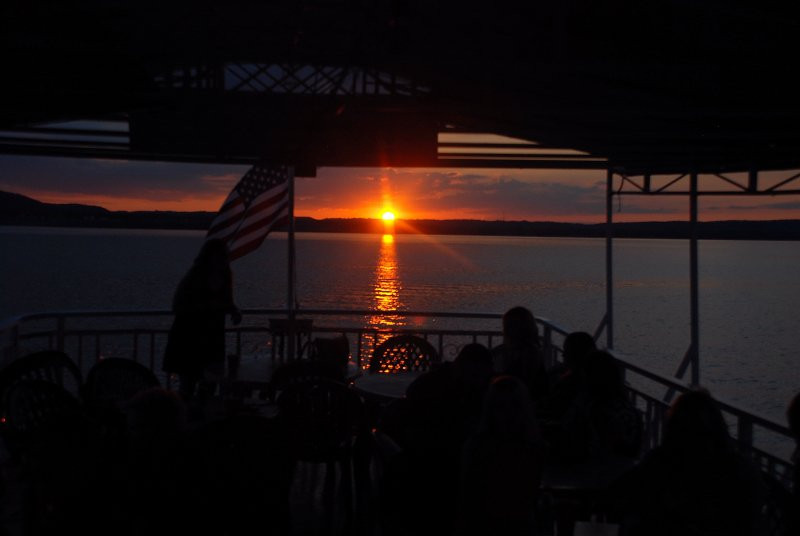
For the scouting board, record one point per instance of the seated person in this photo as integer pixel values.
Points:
(520, 354)
(695, 482)
(442, 403)
(333, 350)
(430, 425)
(568, 380)
(601, 422)
(502, 463)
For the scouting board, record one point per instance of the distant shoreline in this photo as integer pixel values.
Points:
(18, 210)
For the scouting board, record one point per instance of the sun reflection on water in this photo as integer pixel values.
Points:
(386, 292)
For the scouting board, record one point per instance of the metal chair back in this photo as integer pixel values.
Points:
(403, 353)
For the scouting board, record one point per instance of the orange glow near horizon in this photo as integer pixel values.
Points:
(212, 204)
(379, 193)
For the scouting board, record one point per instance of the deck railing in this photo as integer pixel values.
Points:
(141, 335)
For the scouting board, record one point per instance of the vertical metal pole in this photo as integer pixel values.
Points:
(291, 278)
(60, 333)
(609, 259)
(694, 287)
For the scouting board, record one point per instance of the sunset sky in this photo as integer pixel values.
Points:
(533, 195)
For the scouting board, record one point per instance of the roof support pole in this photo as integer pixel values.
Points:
(692, 356)
(694, 298)
(609, 320)
(291, 299)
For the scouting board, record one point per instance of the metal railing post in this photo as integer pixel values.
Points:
(60, 327)
(609, 259)
(744, 433)
(694, 286)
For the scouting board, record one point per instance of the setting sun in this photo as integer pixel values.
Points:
(388, 216)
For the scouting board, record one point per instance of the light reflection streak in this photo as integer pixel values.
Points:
(386, 293)
(435, 242)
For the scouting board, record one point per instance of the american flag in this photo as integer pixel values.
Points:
(259, 202)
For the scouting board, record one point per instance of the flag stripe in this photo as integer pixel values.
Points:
(258, 222)
(256, 234)
(257, 203)
(225, 223)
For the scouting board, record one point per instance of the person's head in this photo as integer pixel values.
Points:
(508, 411)
(332, 349)
(577, 346)
(519, 327)
(473, 367)
(604, 378)
(695, 425)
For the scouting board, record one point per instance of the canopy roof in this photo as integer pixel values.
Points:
(642, 87)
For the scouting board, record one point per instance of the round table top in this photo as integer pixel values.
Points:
(387, 386)
(588, 476)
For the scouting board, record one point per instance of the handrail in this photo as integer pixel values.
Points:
(148, 341)
(681, 386)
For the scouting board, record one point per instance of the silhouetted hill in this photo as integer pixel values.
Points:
(17, 209)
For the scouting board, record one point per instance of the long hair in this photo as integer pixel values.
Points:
(519, 328)
(696, 427)
(508, 412)
(210, 272)
(213, 253)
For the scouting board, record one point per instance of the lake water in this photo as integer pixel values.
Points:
(749, 291)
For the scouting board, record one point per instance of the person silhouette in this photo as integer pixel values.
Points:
(601, 422)
(695, 482)
(502, 464)
(204, 297)
(519, 355)
(568, 379)
(430, 424)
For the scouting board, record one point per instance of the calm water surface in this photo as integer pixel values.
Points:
(749, 290)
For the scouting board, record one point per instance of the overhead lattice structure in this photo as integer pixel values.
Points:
(664, 87)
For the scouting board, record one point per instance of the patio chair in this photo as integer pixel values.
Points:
(325, 423)
(64, 467)
(32, 409)
(47, 365)
(403, 353)
(112, 382)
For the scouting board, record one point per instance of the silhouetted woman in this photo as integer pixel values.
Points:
(695, 482)
(600, 423)
(568, 380)
(202, 300)
(520, 354)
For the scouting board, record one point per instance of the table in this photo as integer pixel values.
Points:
(384, 387)
(580, 491)
(586, 477)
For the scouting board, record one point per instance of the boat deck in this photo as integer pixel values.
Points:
(141, 335)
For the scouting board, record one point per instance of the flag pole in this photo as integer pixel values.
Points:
(290, 293)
